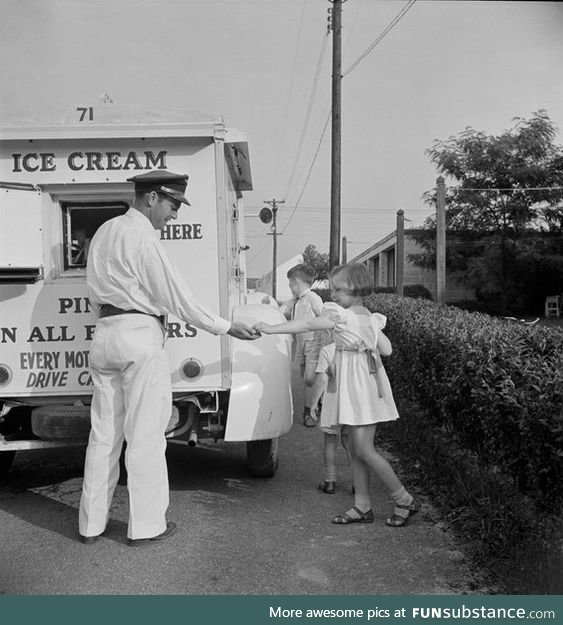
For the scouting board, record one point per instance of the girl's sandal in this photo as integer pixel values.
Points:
(328, 487)
(346, 519)
(398, 520)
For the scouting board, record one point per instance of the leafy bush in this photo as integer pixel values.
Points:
(496, 388)
(324, 294)
(482, 419)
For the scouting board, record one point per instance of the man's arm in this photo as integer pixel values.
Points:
(171, 291)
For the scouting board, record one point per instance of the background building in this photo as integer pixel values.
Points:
(381, 259)
(283, 293)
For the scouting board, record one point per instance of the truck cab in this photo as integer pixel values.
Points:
(63, 172)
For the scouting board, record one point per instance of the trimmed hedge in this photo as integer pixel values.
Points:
(494, 387)
(409, 290)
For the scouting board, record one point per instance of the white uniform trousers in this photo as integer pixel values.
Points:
(132, 401)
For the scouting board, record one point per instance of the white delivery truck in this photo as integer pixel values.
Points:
(62, 174)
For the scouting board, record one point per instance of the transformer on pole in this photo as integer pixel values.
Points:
(266, 217)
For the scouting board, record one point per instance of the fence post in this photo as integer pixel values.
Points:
(440, 240)
(400, 252)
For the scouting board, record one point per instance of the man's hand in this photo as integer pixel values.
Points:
(242, 331)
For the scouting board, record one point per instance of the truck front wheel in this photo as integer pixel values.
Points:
(6, 459)
(262, 457)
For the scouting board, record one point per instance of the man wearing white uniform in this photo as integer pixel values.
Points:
(132, 283)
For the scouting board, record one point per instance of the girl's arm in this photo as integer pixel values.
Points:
(297, 326)
(384, 344)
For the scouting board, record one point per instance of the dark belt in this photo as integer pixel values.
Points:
(108, 310)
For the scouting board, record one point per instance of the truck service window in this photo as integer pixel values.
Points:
(80, 222)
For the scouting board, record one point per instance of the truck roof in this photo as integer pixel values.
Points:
(107, 119)
(110, 120)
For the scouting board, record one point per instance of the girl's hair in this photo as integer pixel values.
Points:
(356, 276)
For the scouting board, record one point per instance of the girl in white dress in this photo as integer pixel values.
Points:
(362, 395)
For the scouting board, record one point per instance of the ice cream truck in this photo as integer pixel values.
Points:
(63, 172)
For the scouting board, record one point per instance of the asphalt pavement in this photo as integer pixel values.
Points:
(237, 535)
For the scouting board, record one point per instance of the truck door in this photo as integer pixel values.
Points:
(21, 227)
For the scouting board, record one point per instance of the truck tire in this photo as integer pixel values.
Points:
(61, 422)
(6, 459)
(262, 457)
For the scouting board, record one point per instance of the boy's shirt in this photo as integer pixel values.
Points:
(306, 306)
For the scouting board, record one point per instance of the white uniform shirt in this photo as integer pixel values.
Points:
(128, 268)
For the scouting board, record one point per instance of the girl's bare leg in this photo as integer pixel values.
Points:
(405, 505)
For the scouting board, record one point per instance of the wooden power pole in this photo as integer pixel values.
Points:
(334, 249)
(274, 233)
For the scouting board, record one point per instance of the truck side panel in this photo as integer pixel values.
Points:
(46, 327)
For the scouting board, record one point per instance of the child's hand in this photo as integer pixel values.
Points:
(261, 327)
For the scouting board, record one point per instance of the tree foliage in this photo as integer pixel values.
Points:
(318, 261)
(504, 213)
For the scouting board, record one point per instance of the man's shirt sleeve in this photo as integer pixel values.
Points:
(164, 284)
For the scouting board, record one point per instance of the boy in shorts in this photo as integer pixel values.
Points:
(306, 346)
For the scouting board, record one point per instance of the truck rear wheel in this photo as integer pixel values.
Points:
(262, 457)
(6, 459)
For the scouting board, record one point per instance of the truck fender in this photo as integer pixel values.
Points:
(260, 404)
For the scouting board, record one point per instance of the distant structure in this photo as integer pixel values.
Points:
(264, 284)
(381, 260)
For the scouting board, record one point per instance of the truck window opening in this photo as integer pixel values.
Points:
(80, 222)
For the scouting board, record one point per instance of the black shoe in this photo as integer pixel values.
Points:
(310, 419)
(169, 531)
(89, 540)
(328, 487)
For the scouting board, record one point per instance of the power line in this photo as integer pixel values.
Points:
(389, 27)
(513, 189)
(290, 91)
(308, 112)
(350, 210)
(259, 251)
(308, 173)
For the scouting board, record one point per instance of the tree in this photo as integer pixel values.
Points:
(504, 211)
(318, 261)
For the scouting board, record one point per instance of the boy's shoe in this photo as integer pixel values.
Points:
(328, 487)
(310, 419)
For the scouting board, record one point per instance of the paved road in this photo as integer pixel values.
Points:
(237, 534)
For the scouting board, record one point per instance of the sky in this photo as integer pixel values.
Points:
(265, 66)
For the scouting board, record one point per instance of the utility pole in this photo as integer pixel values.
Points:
(440, 240)
(336, 145)
(344, 250)
(274, 232)
(400, 253)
